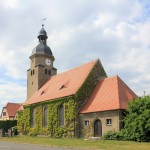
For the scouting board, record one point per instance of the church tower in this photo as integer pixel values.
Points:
(41, 65)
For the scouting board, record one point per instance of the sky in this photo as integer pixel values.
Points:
(79, 31)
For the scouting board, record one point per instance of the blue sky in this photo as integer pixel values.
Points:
(115, 31)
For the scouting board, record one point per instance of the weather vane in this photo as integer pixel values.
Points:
(44, 19)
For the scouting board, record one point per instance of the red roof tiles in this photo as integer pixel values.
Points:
(12, 108)
(109, 94)
(63, 84)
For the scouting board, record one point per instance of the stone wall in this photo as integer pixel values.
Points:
(88, 130)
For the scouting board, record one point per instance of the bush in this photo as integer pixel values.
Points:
(15, 130)
(113, 135)
(137, 120)
(7, 124)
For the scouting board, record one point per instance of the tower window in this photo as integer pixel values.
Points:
(33, 71)
(49, 72)
(45, 71)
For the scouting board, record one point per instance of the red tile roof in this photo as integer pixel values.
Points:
(12, 108)
(63, 84)
(20, 108)
(109, 94)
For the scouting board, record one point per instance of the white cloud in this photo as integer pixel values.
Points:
(11, 92)
(116, 31)
(9, 3)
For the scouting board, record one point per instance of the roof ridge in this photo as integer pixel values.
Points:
(72, 69)
(80, 66)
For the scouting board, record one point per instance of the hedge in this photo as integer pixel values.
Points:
(7, 124)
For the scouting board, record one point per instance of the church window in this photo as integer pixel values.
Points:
(45, 71)
(108, 122)
(32, 118)
(86, 122)
(61, 115)
(49, 72)
(45, 116)
(33, 71)
(32, 83)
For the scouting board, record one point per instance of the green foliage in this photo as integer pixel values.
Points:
(87, 130)
(7, 124)
(89, 84)
(53, 129)
(23, 124)
(113, 135)
(137, 120)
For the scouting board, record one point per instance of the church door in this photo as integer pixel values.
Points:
(97, 128)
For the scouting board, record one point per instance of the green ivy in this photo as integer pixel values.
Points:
(89, 84)
(53, 129)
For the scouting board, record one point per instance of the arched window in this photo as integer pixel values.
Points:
(45, 115)
(49, 72)
(61, 115)
(32, 118)
(45, 71)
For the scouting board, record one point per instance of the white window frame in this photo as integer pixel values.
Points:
(109, 122)
(86, 122)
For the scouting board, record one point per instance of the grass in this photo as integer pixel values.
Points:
(80, 143)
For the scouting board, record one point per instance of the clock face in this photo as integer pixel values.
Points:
(48, 61)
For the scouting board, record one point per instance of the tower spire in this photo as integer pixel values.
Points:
(42, 35)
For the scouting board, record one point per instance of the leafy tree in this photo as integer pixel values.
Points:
(137, 120)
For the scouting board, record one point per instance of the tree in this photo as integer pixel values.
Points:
(137, 120)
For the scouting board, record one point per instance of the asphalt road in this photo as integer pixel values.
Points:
(19, 146)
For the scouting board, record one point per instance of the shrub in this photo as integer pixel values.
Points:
(137, 120)
(7, 124)
(113, 135)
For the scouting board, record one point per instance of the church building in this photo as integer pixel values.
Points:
(82, 102)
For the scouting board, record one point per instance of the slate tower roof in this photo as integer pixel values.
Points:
(42, 47)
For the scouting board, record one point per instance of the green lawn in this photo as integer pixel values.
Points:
(80, 143)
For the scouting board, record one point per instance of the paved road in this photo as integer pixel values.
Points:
(20, 146)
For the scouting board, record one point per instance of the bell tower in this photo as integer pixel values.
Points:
(41, 65)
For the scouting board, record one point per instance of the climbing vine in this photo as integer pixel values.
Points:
(53, 129)
(89, 84)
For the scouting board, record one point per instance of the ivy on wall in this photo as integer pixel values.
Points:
(89, 84)
(72, 105)
(87, 131)
(23, 123)
(53, 129)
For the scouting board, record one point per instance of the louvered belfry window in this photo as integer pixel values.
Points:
(61, 115)
(45, 119)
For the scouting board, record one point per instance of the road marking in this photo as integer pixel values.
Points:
(5, 147)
